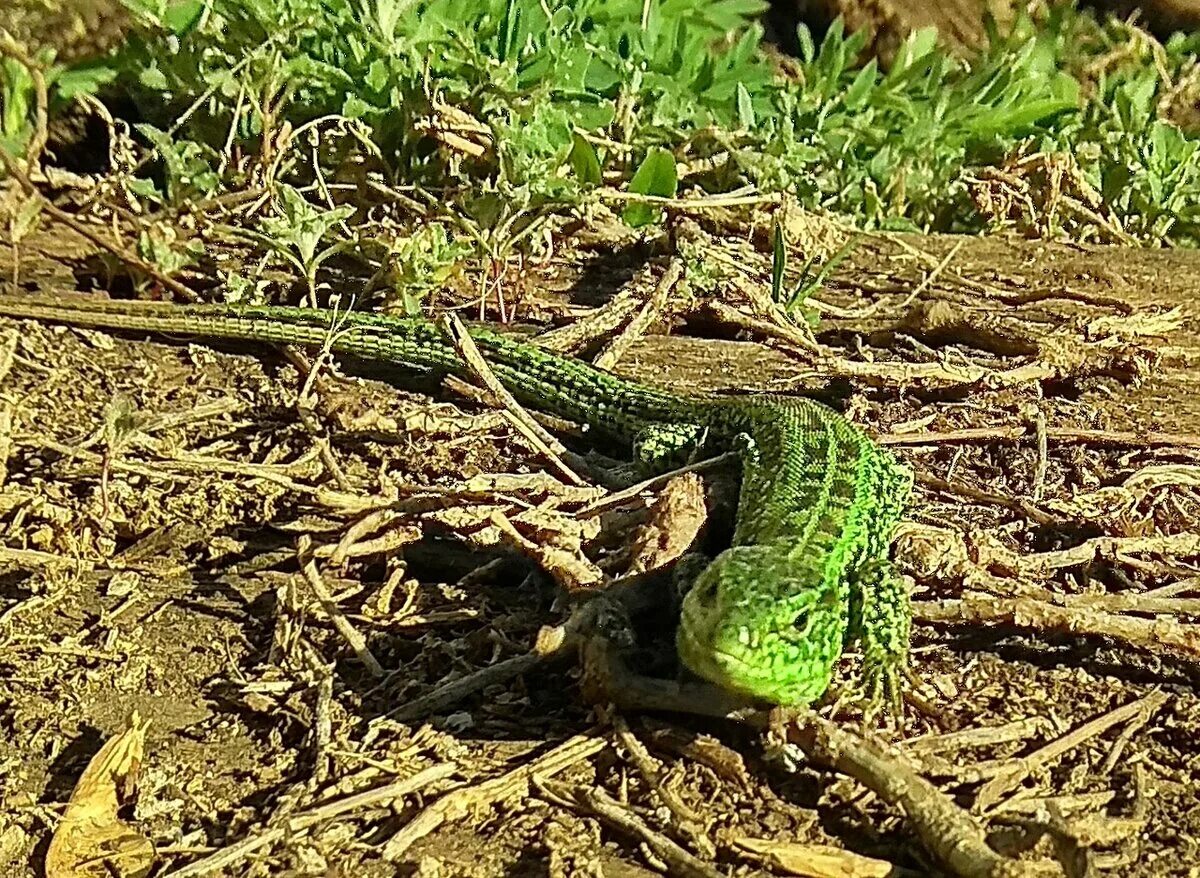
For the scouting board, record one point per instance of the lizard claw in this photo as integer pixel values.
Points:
(878, 693)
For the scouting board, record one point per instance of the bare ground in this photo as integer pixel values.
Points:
(161, 503)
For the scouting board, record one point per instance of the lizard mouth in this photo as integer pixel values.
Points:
(710, 662)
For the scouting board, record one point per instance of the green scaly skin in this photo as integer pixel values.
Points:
(808, 568)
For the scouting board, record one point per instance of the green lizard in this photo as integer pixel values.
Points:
(808, 567)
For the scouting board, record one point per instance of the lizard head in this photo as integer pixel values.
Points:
(761, 621)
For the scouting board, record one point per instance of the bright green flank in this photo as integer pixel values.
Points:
(807, 570)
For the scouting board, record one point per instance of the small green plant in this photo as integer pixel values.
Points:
(420, 262)
(63, 84)
(161, 245)
(187, 169)
(297, 230)
(655, 176)
(813, 274)
(495, 117)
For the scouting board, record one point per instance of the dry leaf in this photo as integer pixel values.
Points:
(815, 860)
(539, 484)
(542, 524)
(470, 522)
(675, 519)
(91, 841)
(559, 554)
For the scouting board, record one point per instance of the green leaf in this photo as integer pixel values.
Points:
(188, 173)
(655, 176)
(858, 91)
(301, 225)
(145, 188)
(355, 107)
(808, 50)
(509, 30)
(1020, 117)
(153, 78)
(378, 75)
(83, 80)
(181, 17)
(585, 162)
(745, 107)
(918, 45)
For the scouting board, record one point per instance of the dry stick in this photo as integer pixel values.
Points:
(1017, 297)
(460, 803)
(1123, 437)
(948, 831)
(821, 860)
(222, 860)
(545, 444)
(677, 860)
(644, 762)
(978, 494)
(1126, 735)
(703, 203)
(552, 642)
(774, 320)
(322, 721)
(1183, 544)
(1190, 582)
(934, 274)
(153, 422)
(726, 762)
(59, 649)
(575, 574)
(406, 493)
(781, 331)
(1058, 434)
(768, 318)
(1066, 804)
(945, 829)
(34, 559)
(943, 374)
(994, 790)
(596, 324)
(309, 421)
(619, 498)
(170, 469)
(916, 292)
(370, 523)
(6, 445)
(651, 312)
(477, 394)
(96, 238)
(984, 610)
(1043, 455)
(981, 736)
(8, 352)
(314, 383)
(1123, 602)
(343, 626)
(967, 434)
(456, 690)
(389, 542)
